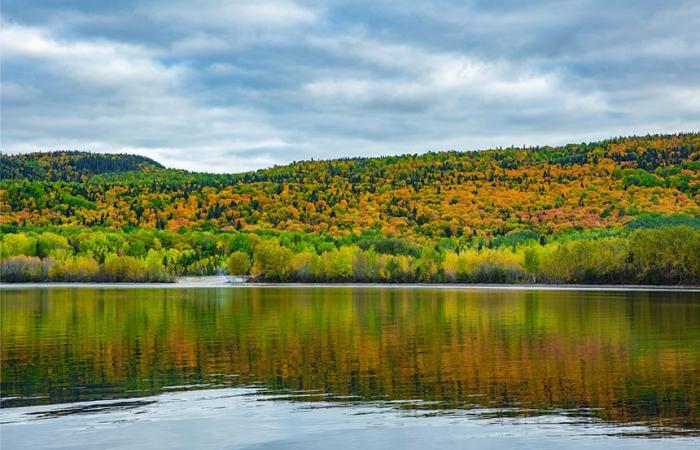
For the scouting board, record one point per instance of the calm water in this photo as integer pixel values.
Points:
(347, 367)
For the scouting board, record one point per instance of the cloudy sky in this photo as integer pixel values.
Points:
(225, 85)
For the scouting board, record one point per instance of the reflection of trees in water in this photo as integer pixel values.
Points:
(635, 355)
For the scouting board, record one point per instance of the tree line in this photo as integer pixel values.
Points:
(664, 255)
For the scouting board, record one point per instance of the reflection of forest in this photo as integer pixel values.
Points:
(636, 356)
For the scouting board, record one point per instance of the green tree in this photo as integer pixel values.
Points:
(238, 263)
(51, 244)
(18, 244)
(271, 260)
(531, 262)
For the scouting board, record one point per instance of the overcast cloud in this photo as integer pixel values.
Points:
(222, 85)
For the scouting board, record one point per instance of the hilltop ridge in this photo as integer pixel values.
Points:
(70, 165)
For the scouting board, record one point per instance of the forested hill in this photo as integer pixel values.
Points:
(451, 194)
(70, 165)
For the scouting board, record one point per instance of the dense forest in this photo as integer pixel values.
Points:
(625, 210)
(70, 165)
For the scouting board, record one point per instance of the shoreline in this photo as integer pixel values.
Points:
(220, 282)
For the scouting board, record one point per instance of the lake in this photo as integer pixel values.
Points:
(348, 367)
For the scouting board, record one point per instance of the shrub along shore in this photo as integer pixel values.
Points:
(665, 255)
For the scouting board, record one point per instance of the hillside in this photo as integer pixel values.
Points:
(70, 165)
(625, 210)
(544, 190)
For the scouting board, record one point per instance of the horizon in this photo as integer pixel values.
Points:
(416, 154)
(232, 87)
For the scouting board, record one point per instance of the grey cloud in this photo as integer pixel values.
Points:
(224, 86)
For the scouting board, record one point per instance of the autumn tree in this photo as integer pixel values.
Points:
(238, 263)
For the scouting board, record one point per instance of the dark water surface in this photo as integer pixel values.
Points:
(345, 367)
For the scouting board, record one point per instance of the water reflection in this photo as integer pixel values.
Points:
(620, 356)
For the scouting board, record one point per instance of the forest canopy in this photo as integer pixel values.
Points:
(617, 211)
